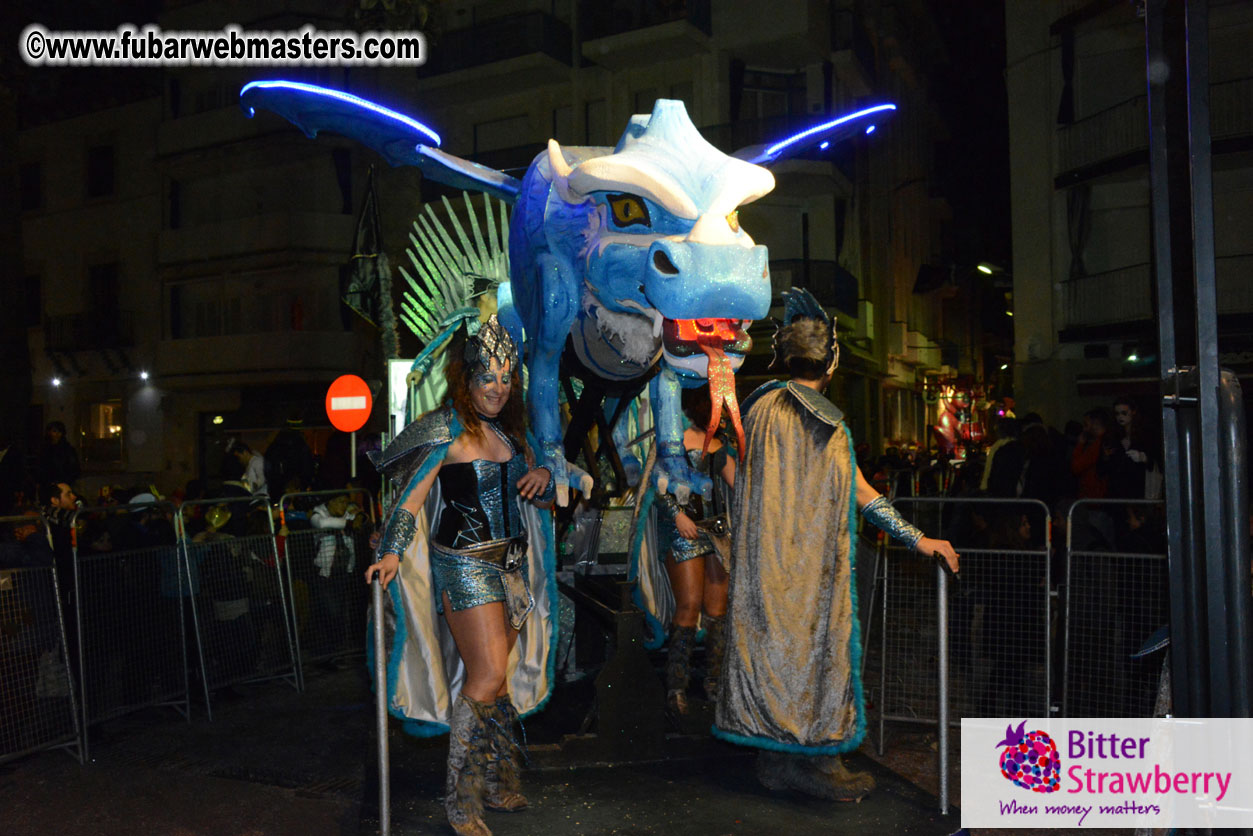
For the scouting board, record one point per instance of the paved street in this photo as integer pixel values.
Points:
(277, 762)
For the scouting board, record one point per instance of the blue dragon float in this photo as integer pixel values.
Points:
(628, 264)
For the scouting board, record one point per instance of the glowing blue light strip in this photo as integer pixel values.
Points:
(343, 97)
(777, 148)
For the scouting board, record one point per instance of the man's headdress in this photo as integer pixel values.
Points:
(807, 331)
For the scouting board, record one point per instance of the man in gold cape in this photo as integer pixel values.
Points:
(791, 681)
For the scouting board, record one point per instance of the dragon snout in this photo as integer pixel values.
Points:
(690, 280)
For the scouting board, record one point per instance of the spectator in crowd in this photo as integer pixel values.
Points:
(59, 507)
(1131, 471)
(1089, 460)
(11, 476)
(288, 460)
(253, 464)
(1006, 463)
(333, 564)
(58, 460)
(27, 548)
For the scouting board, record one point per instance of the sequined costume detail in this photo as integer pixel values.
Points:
(880, 513)
(401, 526)
(478, 550)
(668, 507)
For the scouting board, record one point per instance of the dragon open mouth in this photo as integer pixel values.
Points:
(685, 340)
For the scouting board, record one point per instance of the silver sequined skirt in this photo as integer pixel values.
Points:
(668, 540)
(471, 581)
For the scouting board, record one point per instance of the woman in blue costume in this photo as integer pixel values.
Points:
(698, 577)
(466, 468)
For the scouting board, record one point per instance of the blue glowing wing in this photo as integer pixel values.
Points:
(400, 139)
(820, 136)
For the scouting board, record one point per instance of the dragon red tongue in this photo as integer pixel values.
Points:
(721, 391)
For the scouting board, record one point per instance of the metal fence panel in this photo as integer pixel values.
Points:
(997, 616)
(38, 707)
(329, 600)
(1116, 596)
(325, 547)
(130, 611)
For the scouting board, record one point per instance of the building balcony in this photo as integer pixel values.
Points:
(210, 129)
(620, 34)
(285, 231)
(731, 137)
(852, 54)
(1117, 138)
(498, 57)
(1119, 302)
(89, 332)
(281, 356)
(831, 284)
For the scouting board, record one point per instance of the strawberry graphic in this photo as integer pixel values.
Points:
(1030, 759)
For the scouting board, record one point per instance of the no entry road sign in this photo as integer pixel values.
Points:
(348, 403)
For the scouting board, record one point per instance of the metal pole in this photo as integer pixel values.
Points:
(941, 610)
(352, 455)
(380, 699)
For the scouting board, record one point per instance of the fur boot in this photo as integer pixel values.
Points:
(679, 669)
(504, 779)
(468, 746)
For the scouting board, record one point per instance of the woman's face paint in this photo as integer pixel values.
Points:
(489, 390)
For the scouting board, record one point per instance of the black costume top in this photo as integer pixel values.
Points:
(480, 500)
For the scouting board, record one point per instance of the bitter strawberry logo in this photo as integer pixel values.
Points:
(1030, 759)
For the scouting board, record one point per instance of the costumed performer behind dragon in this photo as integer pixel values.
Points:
(791, 681)
(697, 572)
(457, 536)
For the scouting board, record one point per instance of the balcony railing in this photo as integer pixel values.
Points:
(1234, 278)
(1110, 133)
(1126, 295)
(1107, 298)
(499, 40)
(88, 332)
(830, 283)
(1123, 129)
(603, 18)
(733, 136)
(1231, 108)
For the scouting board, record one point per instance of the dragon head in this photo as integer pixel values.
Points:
(662, 239)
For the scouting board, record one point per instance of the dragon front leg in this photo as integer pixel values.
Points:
(672, 472)
(558, 310)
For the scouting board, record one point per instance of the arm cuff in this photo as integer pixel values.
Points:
(882, 515)
(398, 534)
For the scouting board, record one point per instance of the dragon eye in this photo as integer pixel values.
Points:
(629, 210)
(733, 220)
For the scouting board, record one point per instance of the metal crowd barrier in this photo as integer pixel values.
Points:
(38, 704)
(131, 617)
(323, 566)
(1117, 595)
(237, 592)
(979, 647)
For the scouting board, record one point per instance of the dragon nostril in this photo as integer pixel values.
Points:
(664, 265)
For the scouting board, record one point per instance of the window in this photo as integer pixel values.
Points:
(32, 186)
(766, 94)
(509, 132)
(100, 171)
(103, 432)
(594, 116)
